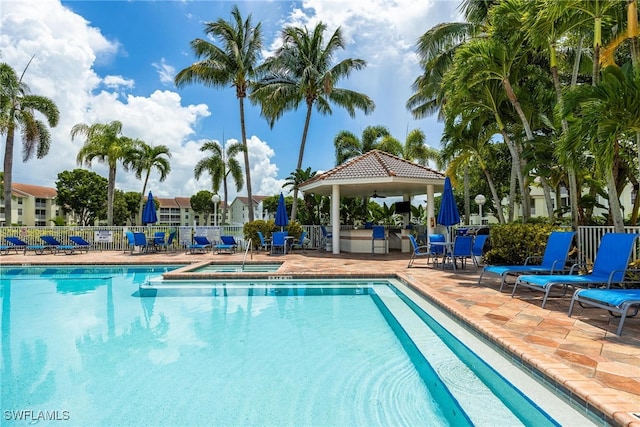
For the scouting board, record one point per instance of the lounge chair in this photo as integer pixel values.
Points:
(279, 243)
(264, 242)
(81, 244)
(618, 301)
(24, 246)
(418, 251)
(300, 243)
(228, 245)
(55, 246)
(554, 259)
(201, 245)
(609, 267)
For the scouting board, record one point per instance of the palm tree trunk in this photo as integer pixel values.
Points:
(614, 202)
(294, 207)
(110, 193)
(247, 168)
(144, 190)
(8, 172)
(546, 190)
(494, 196)
(467, 197)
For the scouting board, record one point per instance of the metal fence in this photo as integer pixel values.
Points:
(107, 238)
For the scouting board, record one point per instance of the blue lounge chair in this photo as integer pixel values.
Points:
(24, 246)
(300, 243)
(55, 246)
(479, 241)
(81, 244)
(228, 245)
(610, 266)
(418, 251)
(618, 301)
(326, 237)
(279, 243)
(264, 242)
(201, 245)
(554, 260)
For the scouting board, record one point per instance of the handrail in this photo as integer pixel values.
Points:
(244, 259)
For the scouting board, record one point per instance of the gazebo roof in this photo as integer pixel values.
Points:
(377, 171)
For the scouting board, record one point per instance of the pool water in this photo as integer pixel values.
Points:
(237, 268)
(120, 347)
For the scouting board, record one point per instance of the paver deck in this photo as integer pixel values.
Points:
(581, 354)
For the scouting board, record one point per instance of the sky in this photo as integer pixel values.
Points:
(101, 61)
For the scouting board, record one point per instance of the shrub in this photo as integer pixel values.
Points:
(511, 244)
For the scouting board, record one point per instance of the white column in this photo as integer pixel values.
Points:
(431, 200)
(335, 218)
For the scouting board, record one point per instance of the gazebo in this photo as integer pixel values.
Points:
(375, 172)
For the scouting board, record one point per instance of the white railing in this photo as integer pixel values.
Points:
(589, 241)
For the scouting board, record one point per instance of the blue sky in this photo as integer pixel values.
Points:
(116, 60)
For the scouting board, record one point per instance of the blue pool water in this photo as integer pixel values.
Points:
(91, 346)
(238, 267)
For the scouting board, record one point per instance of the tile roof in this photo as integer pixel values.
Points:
(34, 190)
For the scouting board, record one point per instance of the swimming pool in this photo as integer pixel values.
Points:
(248, 267)
(321, 353)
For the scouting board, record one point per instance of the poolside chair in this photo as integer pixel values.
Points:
(554, 260)
(168, 242)
(139, 241)
(379, 234)
(462, 245)
(24, 246)
(279, 243)
(300, 243)
(418, 251)
(610, 266)
(264, 242)
(479, 241)
(201, 245)
(80, 243)
(326, 237)
(55, 246)
(618, 301)
(228, 245)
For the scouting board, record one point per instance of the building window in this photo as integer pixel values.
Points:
(19, 201)
(19, 211)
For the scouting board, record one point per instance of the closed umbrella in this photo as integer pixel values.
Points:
(282, 218)
(149, 215)
(448, 214)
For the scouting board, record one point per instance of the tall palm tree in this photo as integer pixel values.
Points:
(294, 180)
(104, 142)
(232, 64)
(17, 111)
(144, 158)
(220, 165)
(302, 71)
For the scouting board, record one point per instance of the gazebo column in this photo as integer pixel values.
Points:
(335, 218)
(431, 200)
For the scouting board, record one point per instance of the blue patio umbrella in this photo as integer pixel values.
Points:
(448, 214)
(149, 215)
(282, 218)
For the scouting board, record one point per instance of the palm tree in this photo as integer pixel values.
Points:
(17, 111)
(302, 71)
(294, 180)
(145, 158)
(104, 142)
(348, 146)
(220, 165)
(233, 64)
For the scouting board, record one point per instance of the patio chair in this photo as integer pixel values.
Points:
(139, 241)
(228, 245)
(418, 251)
(300, 243)
(264, 242)
(326, 237)
(618, 301)
(379, 234)
(279, 243)
(554, 259)
(462, 245)
(55, 246)
(201, 245)
(24, 246)
(610, 266)
(479, 241)
(80, 243)
(167, 243)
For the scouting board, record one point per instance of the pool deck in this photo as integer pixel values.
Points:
(582, 353)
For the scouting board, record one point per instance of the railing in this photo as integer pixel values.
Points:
(589, 241)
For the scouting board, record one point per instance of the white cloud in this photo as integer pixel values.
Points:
(116, 82)
(165, 71)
